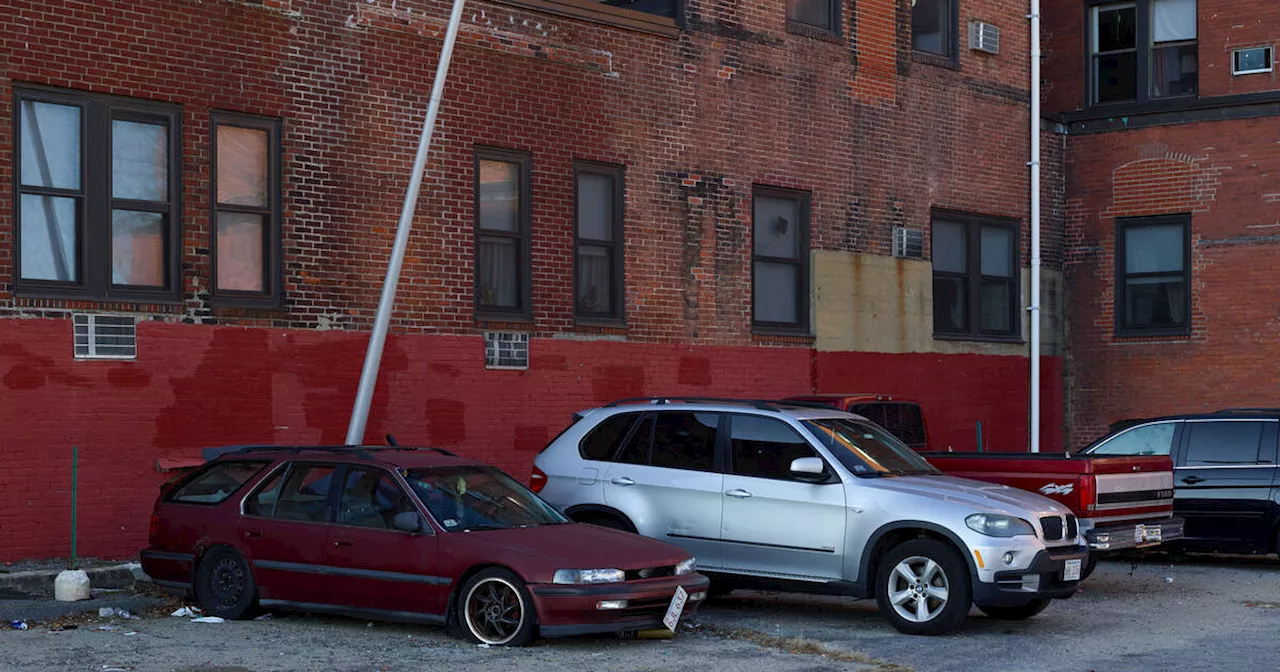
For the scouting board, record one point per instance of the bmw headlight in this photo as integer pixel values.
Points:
(995, 525)
(588, 576)
(687, 567)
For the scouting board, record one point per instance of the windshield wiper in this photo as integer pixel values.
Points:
(475, 528)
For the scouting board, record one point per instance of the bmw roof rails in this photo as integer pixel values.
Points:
(1228, 411)
(761, 404)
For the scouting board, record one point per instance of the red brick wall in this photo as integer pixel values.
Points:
(955, 392)
(1222, 173)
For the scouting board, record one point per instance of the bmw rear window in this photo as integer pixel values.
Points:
(217, 482)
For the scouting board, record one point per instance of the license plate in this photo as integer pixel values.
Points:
(1071, 572)
(1152, 533)
(677, 607)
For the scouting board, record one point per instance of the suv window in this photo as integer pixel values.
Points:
(765, 447)
(601, 441)
(636, 450)
(371, 498)
(306, 494)
(1154, 439)
(904, 421)
(217, 483)
(685, 440)
(1216, 443)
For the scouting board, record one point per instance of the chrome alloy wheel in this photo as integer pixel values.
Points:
(494, 611)
(918, 589)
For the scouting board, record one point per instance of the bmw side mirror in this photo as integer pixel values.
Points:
(810, 469)
(408, 521)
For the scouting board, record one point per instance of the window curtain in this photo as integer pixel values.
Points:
(1173, 20)
(498, 282)
(595, 280)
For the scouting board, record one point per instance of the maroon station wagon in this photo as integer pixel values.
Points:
(405, 534)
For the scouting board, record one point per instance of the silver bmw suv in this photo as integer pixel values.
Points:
(782, 496)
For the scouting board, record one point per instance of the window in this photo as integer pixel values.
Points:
(371, 498)
(905, 421)
(780, 276)
(824, 14)
(478, 498)
(1222, 443)
(305, 495)
(1155, 439)
(685, 440)
(637, 448)
(97, 184)
(263, 502)
(502, 233)
(933, 27)
(1251, 61)
(217, 483)
(764, 447)
(1143, 50)
(598, 268)
(975, 277)
(1153, 275)
(600, 442)
(667, 8)
(865, 449)
(246, 208)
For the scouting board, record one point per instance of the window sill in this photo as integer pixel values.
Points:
(128, 303)
(815, 32)
(600, 326)
(245, 303)
(490, 322)
(587, 10)
(1152, 336)
(780, 336)
(980, 338)
(938, 60)
(1102, 111)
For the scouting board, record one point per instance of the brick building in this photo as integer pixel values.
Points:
(1171, 113)
(656, 197)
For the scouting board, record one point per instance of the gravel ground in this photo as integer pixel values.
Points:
(1213, 615)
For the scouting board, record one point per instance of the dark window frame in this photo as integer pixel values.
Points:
(95, 201)
(1123, 224)
(973, 224)
(951, 56)
(617, 248)
(524, 251)
(1262, 456)
(598, 12)
(1144, 48)
(835, 15)
(801, 326)
(273, 234)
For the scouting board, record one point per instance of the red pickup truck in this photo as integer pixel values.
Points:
(1121, 502)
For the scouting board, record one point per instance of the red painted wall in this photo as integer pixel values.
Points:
(196, 386)
(955, 392)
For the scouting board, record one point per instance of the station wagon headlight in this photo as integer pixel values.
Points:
(687, 566)
(995, 525)
(588, 576)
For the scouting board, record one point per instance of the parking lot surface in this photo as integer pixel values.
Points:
(1201, 615)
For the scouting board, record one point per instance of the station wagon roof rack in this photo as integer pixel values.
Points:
(362, 452)
(760, 404)
(1229, 411)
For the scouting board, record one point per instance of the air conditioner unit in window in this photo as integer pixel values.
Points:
(908, 243)
(984, 37)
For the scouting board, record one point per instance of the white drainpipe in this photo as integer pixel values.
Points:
(1035, 225)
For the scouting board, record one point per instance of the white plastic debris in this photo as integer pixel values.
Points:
(111, 612)
(106, 612)
(209, 619)
(187, 612)
(1168, 579)
(71, 585)
(264, 617)
(483, 645)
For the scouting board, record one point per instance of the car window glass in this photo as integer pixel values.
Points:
(904, 421)
(306, 494)
(371, 498)
(867, 450)
(637, 449)
(765, 447)
(685, 440)
(1154, 439)
(217, 483)
(601, 441)
(263, 502)
(479, 498)
(1215, 443)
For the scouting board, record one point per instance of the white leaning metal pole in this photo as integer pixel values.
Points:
(1035, 225)
(373, 357)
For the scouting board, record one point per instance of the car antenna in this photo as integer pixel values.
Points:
(391, 440)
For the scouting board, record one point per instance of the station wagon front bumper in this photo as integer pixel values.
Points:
(567, 610)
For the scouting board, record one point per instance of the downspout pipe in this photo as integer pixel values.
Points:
(1035, 226)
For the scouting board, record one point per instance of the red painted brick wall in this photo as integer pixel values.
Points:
(735, 100)
(957, 391)
(1224, 174)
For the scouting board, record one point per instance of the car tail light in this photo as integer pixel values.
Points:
(538, 480)
(154, 532)
(1088, 493)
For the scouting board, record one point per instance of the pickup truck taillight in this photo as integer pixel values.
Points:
(538, 480)
(1088, 492)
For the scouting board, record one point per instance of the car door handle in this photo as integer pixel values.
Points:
(622, 480)
(253, 534)
(1192, 480)
(737, 493)
(341, 542)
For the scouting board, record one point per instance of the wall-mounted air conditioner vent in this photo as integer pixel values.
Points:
(984, 37)
(105, 336)
(908, 243)
(506, 350)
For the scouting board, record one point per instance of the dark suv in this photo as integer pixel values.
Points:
(1225, 481)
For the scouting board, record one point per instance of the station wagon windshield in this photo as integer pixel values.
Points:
(463, 499)
(867, 450)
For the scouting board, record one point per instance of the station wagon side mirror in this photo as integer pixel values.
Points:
(408, 521)
(809, 469)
